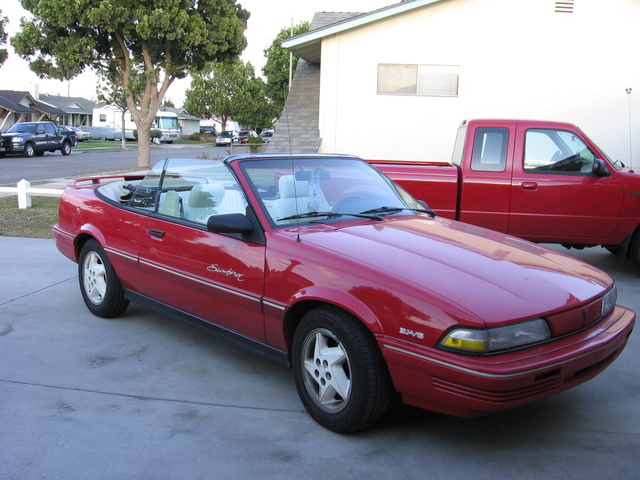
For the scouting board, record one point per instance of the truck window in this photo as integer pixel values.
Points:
(556, 151)
(490, 149)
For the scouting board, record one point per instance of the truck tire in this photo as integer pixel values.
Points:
(29, 150)
(634, 250)
(66, 148)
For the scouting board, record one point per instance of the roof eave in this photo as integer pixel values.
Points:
(308, 45)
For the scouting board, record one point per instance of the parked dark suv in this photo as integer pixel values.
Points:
(35, 138)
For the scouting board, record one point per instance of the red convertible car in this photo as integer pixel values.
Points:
(323, 263)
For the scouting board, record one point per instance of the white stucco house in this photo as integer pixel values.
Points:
(396, 82)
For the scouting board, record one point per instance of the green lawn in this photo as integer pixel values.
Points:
(35, 222)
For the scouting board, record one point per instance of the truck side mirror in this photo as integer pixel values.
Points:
(600, 168)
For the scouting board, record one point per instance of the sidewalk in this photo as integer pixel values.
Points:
(146, 397)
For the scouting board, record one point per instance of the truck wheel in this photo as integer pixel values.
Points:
(339, 371)
(66, 148)
(29, 151)
(101, 289)
(634, 250)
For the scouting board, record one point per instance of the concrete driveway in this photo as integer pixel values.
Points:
(145, 397)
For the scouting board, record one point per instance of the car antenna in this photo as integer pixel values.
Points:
(293, 172)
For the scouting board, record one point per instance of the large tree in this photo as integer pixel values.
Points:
(226, 91)
(141, 42)
(276, 69)
(3, 38)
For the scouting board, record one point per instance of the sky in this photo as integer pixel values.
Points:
(267, 19)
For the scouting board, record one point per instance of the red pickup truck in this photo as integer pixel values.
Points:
(542, 181)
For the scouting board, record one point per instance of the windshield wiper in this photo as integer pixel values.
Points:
(399, 209)
(329, 214)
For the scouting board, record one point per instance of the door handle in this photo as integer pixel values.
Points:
(156, 233)
(529, 185)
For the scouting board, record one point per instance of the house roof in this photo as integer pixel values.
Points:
(69, 104)
(309, 45)
(7, 102)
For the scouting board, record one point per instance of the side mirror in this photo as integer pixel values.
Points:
(230, 223)
(600, 168)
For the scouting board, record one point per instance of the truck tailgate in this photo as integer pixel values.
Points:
(435, 183)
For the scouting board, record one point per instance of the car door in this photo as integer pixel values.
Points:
(216, 277)
(555, 196)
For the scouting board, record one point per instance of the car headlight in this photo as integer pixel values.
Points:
(469, 340)
(609, 301)
(17, 139)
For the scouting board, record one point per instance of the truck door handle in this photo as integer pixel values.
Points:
(156, 233)
(529, 185)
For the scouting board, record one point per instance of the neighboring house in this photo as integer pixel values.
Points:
(77, 111)
(396, 82)
(188, 123)
(18, 106)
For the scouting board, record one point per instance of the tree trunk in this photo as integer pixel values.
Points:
(123, 139)
(144, 147)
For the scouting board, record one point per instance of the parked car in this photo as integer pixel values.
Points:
(104, 133)
(243, 135)
(324, 264)
(35, 138)
(224, 138)
(208, 130)
(266, 136)
(81, 135)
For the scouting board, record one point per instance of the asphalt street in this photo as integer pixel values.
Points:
(146, 397)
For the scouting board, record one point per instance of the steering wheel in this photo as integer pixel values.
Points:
(347, 200)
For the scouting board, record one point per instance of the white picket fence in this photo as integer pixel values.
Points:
(25, 191)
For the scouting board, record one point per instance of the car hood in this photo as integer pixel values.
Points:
(493, 276)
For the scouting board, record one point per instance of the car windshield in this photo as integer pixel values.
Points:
(22, 128)
(226, 134)
(324, 189)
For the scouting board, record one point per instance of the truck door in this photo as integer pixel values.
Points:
(484, 188)
(555, 194)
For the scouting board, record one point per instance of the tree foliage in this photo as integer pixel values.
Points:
(226, 91)
(276, 69)
(144, 44)
(3, 38)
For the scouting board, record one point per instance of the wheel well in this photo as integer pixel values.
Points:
(299, 310)
(294, 316)
(80, 241)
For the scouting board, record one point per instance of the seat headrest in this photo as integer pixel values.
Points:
(290, 188)
(206, 195)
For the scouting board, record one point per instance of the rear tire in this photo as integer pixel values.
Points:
(66, 148)
(339, 371)
(101, 289)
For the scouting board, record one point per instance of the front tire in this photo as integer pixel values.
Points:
(339, 371)
(29, 150)
(101, 289)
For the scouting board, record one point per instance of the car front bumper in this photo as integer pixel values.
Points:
(469, 386)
